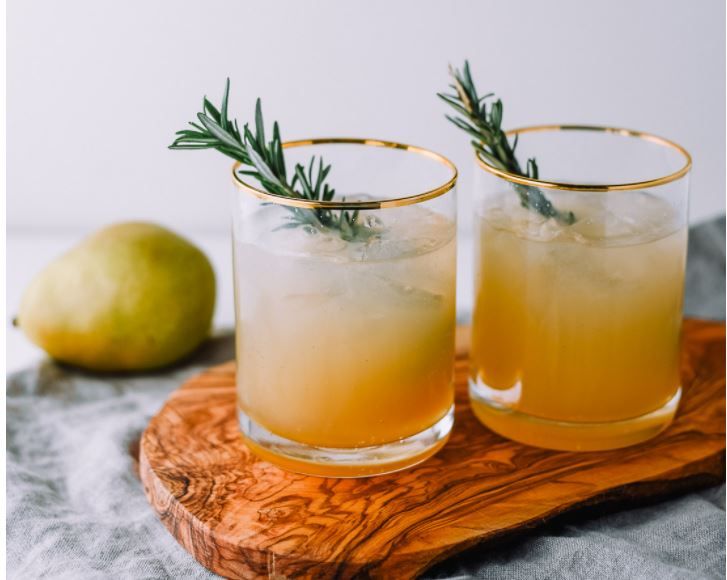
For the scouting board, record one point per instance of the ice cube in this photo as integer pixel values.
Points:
(404, 232)
(622, 217)
(385, 247)
(289, 238)
(409, 295)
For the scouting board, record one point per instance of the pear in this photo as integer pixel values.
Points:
(130, 297)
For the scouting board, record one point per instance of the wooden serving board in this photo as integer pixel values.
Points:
(242, 517)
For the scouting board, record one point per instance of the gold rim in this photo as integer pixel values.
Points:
(384, 203)
(513, 177)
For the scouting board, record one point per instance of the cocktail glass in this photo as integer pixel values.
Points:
(576, 326)
(345, 339)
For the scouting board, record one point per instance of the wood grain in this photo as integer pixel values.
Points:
(243, 518)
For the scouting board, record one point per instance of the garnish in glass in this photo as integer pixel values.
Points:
(265, 162)
(491, 143)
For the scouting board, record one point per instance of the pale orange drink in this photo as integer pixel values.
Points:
(345, 347)
(576, 326)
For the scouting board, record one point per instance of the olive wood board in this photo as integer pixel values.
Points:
(242, 517)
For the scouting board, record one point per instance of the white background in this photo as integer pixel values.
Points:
(96, 90)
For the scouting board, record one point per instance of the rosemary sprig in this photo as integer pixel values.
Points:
(491, 142)
(265, 162)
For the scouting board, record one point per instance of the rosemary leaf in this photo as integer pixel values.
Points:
(491, 142)
(266, 163)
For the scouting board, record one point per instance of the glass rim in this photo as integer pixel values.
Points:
(595, 187)
(377, 204)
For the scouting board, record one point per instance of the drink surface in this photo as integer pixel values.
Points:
(346, 344)
(580, 323)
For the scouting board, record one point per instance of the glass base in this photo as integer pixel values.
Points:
(564, 435)
(345, 462)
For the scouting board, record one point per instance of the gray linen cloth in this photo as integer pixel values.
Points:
(76, 510)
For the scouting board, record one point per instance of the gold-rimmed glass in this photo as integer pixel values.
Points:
(576, 326)
(345, 342)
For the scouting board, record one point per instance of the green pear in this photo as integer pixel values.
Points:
(132, 296)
